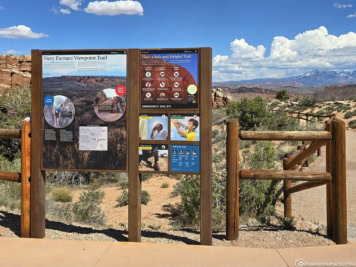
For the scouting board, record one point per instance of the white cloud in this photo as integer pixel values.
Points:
(73, 4)
(352, 15)
(338, 5)
(1, 7)
(20, 31)
(64, 11)
(12, 52)
(314, 49)
(126, 7)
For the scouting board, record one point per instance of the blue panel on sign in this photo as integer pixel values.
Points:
(185, 158)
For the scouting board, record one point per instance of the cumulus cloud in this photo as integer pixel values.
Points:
(20, 31)
(64, 11)
(73, 4)
(338, 5)
(314, 49)
(12, 52)
(352, 15)
(122, 7)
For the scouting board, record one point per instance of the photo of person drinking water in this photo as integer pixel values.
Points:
(190, 133)
(158, 133)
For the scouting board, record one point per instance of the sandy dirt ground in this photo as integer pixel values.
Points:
(311, 204)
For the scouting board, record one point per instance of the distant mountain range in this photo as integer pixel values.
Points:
(313, 78)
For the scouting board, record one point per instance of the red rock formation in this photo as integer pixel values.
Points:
(15, 71)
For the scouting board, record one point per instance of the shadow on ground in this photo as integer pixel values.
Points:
(12, 222)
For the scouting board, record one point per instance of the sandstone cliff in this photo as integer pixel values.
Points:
(15, 70)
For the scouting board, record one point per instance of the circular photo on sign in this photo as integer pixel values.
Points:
(60, 113)
(192, 89)
(108, 106)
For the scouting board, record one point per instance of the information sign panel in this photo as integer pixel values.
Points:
(185, 158)
(84, 110)
(169, 79)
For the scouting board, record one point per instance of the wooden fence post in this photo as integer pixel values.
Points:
(339, 182)
(25, 176)
(329, 195)
(232, 180)
(287, 197)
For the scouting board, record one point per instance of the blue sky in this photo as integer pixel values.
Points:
(250, 39)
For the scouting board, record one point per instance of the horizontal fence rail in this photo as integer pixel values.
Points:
(10, 134)
(10, 176)
(284, 175)
(285, 136)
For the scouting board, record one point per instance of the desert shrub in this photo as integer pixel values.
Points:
(282, 95)
(123, 199)
(59, 211)
(251, 113)
(307, 102)
(352, 124)
(245, 144)
(69, 178)
(61, 194)
(349, 115)
(145, 197)
(87, 209)
(164, 185)
(214, 133)
(280, 121)
(218, 116)
(221, 137)
(15, 105)
(263, 158)
(10, 195)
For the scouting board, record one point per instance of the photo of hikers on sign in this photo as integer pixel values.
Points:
(108, 106)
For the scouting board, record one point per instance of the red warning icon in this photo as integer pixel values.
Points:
(120, 90)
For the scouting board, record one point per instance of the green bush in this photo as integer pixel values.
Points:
(263, 158)
(282, 95)
(123, 199)
(145, 197)
(164, 185)
(352, 124)
(10, 195)
(251, 113)
(15, 105)
(307, 102)
(61, 194)
(349, 115)
(87, 209)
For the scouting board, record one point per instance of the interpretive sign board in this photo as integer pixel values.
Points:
(84, 110)
(122, 110)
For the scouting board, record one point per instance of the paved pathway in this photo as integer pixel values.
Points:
(311, 203)
(44, 252)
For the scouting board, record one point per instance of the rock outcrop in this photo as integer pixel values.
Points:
(219, 98)
(15, 71)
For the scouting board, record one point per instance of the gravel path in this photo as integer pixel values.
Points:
(311, 204)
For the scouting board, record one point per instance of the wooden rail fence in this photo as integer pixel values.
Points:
(304, 116)
(333, 136)
(24, 176)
